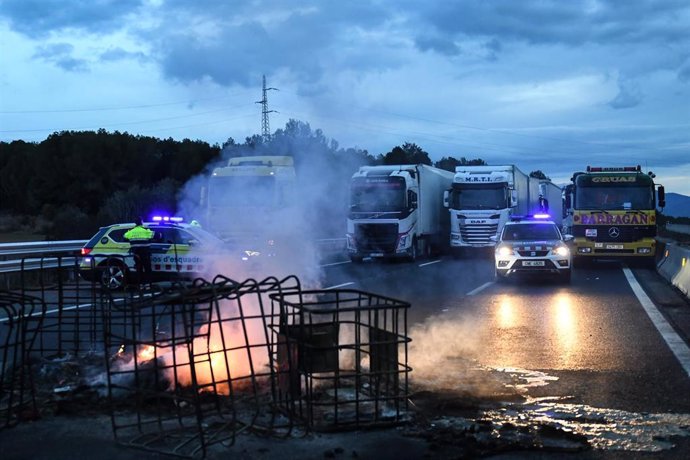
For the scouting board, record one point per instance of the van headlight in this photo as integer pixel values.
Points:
(562, 251)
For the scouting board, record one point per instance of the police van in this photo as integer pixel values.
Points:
(178, 250)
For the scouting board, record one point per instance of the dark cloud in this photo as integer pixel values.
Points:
(440, 45)
(38, 18)
(555, 21)
(120, 54)
(60, 54)
(299, 40)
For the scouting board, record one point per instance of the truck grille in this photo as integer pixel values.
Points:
(628, 233)
(376, 237)
(477, 233)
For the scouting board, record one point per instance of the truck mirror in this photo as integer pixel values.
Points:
(513, 198)
(446, 197)
(662, 196)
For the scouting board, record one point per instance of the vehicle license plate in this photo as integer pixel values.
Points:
(532, 263)
(614, 246)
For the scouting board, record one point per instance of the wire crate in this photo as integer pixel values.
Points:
(342, 358)
(189, 367)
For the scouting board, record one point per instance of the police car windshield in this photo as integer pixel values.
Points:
(205, 237)
(530, 231)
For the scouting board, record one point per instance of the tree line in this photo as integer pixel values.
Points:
(75, 181)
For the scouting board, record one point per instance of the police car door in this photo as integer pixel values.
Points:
(162, 249)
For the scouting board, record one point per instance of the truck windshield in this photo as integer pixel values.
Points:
(479, 196)
(614, 197)
(378, 195)
(242, 191)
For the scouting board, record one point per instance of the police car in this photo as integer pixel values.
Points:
(533, 245)
(178, 250)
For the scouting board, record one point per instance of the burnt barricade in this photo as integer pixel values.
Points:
(72, 322)
(20, 319)
(341, 358)
(188, 366)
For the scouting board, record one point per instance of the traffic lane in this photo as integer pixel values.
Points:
(429, 285)
(593, 336)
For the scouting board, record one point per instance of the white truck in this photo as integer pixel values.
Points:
(396, 211)
(482, 199)
(243, 198)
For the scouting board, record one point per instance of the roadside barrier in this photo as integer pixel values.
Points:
(675, 266)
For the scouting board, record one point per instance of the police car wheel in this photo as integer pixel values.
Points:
(113, 274)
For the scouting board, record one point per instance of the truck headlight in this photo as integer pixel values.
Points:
(402, 242)
(504, 250)
(562, 251)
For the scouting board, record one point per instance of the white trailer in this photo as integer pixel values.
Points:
(482, 199)
(554, 199)
(397, 211)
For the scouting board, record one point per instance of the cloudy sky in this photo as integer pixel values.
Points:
(548, 84)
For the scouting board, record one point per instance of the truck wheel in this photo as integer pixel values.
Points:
(113, 274)
(356, 259)
(413, 250)
(428, 250)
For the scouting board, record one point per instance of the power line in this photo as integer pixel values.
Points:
(126, 107)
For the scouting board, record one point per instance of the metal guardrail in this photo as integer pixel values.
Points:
(46, 254)
(21, 253)
(678, 228)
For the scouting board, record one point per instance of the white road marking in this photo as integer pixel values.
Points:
(336, 263)
(50, 312)
(672, 339)
(339, 285)
(429, 263)
(480, 288)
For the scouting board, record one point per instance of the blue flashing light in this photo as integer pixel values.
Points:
(167, 219)
(542, 216)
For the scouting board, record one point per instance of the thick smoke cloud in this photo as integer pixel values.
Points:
(313, 210)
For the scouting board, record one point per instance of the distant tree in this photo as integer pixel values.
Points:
(539, 175)
(408, 153)
(449, 163)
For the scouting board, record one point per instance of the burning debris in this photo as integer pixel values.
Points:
(185, 368)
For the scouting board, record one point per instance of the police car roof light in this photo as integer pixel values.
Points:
(517, 218)
(167, 219)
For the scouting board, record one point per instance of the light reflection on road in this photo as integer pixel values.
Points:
(566, 321)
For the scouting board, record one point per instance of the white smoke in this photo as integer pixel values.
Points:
(314, 211)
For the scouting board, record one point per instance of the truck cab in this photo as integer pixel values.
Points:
(396, 211)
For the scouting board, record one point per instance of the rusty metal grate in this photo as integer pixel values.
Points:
(20, 319)
(343, 358)
(189, 365)
(71, 322)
